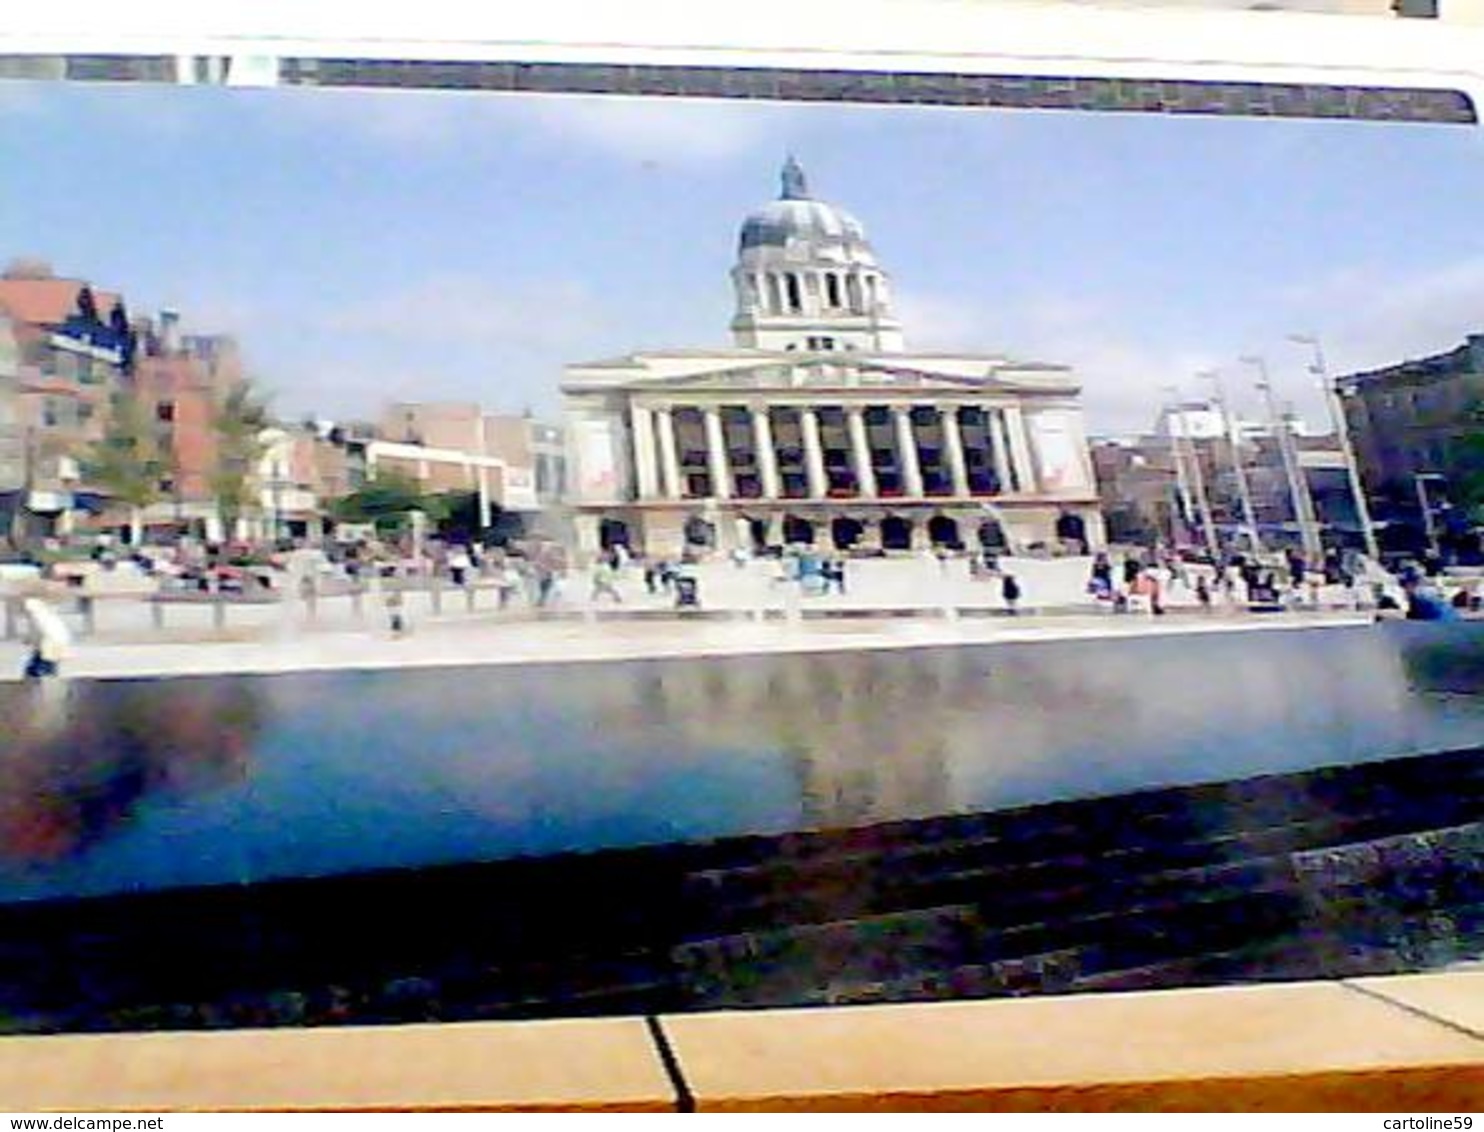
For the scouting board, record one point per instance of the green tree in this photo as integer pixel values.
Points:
(386, 502)
(1471, 464)
(128, 462)
(237, 426)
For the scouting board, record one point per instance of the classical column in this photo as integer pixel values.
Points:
(953, 444)
(669, 462)
(860, 446)
(716, 454)
(645, 465)
(1020, 448)
(819, 485)
(907, 451)
(767, 457)
(996, 420)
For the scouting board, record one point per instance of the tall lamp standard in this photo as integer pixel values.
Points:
(1298, 488)
(1177, 455)
(1234, 439)
(1347, 447)
(1196, 474)
(1424, 501)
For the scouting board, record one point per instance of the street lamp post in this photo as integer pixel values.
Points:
(1197, 478)
(1341, 426)
(1298, 488)
(1233, 436)
(1182, 481)
(1429, 528)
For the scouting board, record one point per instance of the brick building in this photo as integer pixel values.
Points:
(1409, 423)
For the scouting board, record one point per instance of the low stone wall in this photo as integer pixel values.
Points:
(1411, 1043)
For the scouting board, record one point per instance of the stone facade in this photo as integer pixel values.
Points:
(819, 426)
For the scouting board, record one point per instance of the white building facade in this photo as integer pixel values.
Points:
(818, 426)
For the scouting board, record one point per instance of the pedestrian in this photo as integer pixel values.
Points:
(395, 602)
(1102, 572)
(1203, 593)
(687, 587)
(605, 582)
(458, 565)
(1010, 591)
(1148, 587)
(50, 639)
(840, 576)
(509, 583)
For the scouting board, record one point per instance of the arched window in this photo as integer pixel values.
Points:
(832, 289)
(795, 296)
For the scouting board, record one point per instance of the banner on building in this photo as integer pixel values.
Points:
(597, 459)
(1057, 438)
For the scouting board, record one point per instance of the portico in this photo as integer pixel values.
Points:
(819, 426)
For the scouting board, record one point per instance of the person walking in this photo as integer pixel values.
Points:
(605, 581)
(395, 607)
(50, 639)
(459, 564)
(1203, 593)
(1010, 591)
(1132, 568)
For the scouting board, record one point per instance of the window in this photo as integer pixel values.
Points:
(51, 414)
(795, 297)
(832, 289)
(165, 411)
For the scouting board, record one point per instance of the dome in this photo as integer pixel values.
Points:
(776, 223)
(807, 279)
(803, 227)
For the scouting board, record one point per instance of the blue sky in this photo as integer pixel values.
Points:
(371, 245)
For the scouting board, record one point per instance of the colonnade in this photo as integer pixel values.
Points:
(997, 460)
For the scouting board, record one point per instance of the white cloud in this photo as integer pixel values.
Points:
(451, 336)
(1372, 316)
(466, 310)
(1367, 316)
(1121, 376)
(662, 131)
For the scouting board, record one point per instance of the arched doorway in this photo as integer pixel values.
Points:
(896, 533)
(992, 536)
(846, 532)
(1071, 528)
(943, 531)
(611, 533)
(797, 531)
(698, 532)
(759, 529)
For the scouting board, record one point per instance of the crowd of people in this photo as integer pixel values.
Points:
(536, 574)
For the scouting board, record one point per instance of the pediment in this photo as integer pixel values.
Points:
(812, 375)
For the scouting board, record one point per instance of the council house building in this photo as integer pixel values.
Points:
(819, 426)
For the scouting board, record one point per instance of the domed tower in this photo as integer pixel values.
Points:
(807, 279)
